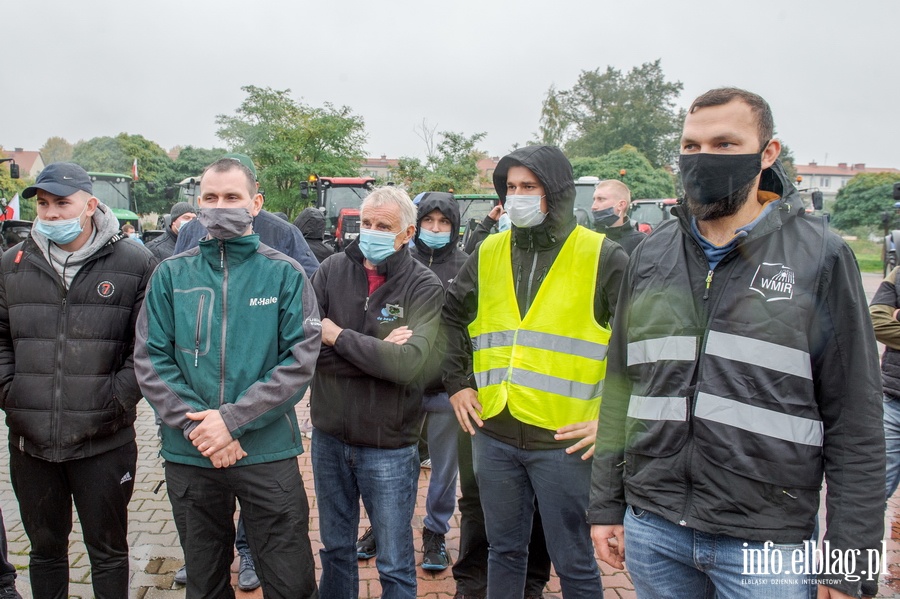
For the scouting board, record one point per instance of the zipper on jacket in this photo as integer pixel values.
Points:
(224, 324)
(197, 334)
(709, 277)
(366, 305)
(55, 413)
(530, 282)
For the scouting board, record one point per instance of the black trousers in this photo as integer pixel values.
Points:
(470, 568)
(101, 488)
(7, 570)
(275, 510)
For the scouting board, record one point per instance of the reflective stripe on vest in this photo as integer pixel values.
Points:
(759, 420)
(658, 408)
(759, 353)
(662, 348)
(548, 367)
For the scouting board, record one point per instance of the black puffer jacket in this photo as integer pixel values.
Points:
(533, 252)
(445, 262)
(67, 380)
(311, 223)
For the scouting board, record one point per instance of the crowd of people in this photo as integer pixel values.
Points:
(672, 401)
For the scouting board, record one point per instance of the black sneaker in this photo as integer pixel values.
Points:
(365, 545)
(433, 545)
(9, 592)
(181, 575)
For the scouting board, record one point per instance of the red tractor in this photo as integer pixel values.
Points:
(339, 199)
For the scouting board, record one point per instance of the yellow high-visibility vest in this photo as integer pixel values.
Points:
(548, 367)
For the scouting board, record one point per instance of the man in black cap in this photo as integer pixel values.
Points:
(69, 301)
(164, 245)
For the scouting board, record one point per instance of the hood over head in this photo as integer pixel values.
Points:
(554, 171)
(446, 203)
(311, 223)
(776, 180)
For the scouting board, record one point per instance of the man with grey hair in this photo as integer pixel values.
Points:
(380, 312)
(610, 214)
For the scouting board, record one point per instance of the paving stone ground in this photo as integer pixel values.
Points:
(156, 554)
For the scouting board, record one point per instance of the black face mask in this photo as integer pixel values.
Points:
(712, 178)
(604, 218)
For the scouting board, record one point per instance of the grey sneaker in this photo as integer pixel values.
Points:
(181, 575)
(247, 578)
(436, 557)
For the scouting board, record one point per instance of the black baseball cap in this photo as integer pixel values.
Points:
(61, 179)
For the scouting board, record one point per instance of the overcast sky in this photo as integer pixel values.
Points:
(165, 68)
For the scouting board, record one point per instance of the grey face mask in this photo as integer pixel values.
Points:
(225, 223)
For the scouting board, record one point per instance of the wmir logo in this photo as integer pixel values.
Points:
(263, 301)
(774, 282)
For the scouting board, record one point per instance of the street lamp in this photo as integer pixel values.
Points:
(13, 167)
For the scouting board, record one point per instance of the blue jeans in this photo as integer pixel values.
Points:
(442, 447)
(668, 561)
(892, 444)
(509, 480)
(387, 481)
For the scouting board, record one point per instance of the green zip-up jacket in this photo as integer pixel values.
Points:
(230, 326)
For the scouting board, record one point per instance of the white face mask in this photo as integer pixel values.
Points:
(525, 211)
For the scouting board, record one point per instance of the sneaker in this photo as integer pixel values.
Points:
(181, 575)
(9, 592)
(433, 545)
(365, 545)
(247, 578)
(426, 463)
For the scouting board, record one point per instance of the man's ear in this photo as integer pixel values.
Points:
(772, 151)
(92, 204)
(256, 205)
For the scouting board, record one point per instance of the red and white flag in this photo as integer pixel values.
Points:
(134, 174)
(12, 209)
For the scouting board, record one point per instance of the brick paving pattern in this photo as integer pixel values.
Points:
(156, 554)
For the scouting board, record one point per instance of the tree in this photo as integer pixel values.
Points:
(453, 165)
(604, 111)
(642, 179)
(289, 140)
(191, 161)
(862, 200)
(117, 154)
(787, 161)
(56, 149)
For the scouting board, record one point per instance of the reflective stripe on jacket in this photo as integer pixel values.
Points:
(549, 367)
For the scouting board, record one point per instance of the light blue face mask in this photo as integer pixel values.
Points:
(434, 240)
(377, 246)
(61, 232)
(504, 223)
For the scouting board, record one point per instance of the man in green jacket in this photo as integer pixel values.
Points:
(227, 342)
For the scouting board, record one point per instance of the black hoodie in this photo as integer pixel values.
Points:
(534, 251)
(445, 262)
(311, 223)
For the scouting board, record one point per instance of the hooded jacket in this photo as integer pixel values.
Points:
(533, 253)
(67, 380)
(231, 326)
(311, 223)
(368, 391)
(163, 246)
(730, 391)
(445, 262)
